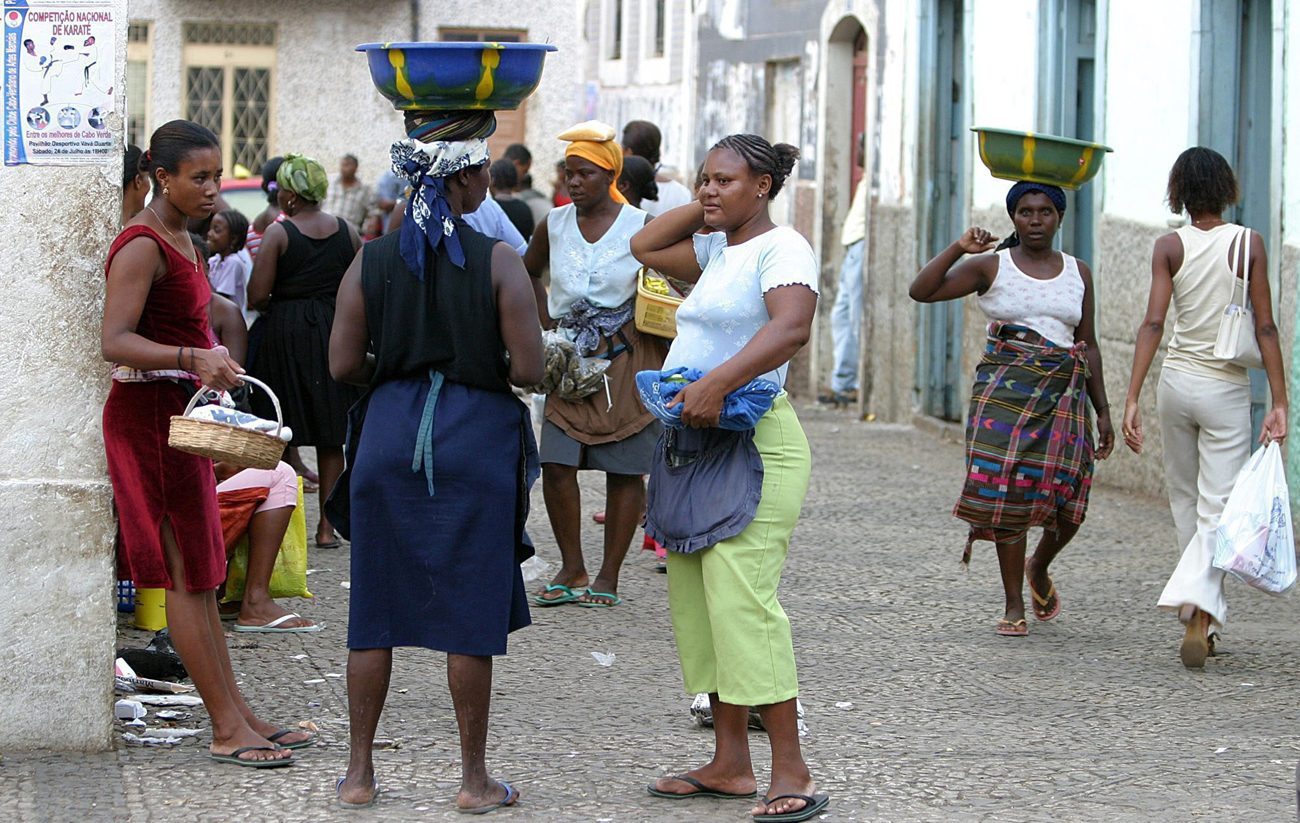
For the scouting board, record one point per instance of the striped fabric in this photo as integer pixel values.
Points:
(1029, 444)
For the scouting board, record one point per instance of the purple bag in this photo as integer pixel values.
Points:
(705, 485)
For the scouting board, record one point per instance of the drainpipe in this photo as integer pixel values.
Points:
(415, 21)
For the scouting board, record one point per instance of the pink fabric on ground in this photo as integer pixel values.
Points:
(281, 484)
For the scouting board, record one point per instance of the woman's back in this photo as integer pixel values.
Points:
(1203, 286)
(446, 322)
(310, 267)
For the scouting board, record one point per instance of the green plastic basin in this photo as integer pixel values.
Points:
(1039, 158)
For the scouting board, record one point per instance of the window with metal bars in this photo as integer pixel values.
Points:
(228, 72)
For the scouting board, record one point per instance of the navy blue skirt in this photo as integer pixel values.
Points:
(442, 571)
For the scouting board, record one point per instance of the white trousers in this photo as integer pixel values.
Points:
(1205, 425)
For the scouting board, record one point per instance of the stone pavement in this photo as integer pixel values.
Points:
(916, 710)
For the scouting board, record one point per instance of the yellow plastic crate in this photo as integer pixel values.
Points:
(656, 304)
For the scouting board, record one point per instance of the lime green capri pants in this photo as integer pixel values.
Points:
(733, 637)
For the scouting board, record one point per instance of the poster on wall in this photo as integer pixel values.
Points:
(58, 82)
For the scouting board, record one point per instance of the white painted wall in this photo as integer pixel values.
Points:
(1150, 93)
(896, 104)
(1003, 82)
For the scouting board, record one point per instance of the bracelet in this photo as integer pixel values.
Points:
(191, 358)
(1101, 408)
(179, 367)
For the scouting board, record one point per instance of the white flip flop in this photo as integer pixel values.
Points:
(274, 626)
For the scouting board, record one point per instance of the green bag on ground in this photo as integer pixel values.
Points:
(289, 577)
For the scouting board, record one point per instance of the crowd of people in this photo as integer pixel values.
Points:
(400, 358)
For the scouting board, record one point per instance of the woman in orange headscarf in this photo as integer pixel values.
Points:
(586, 246)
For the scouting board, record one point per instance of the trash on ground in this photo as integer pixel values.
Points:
(129, 710)
(161, 642)
(347, 584)
(307, 725)
(1221, 750)
(386, 743)
(167, 699)
(154, 665)
(333, 674)
(534, 569)
(298, 657)
(844, 704)
(603, 659)
(148, 740)
(125, 678)
(313, 681)
(172, 714)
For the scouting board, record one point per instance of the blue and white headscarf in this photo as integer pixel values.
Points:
(430, 222)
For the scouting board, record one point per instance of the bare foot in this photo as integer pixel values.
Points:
(712, 776)
(601, 592)
(262, 749)
(785, 805)
(259, 614)
(358, 789)
(490, 794)
(563, 578)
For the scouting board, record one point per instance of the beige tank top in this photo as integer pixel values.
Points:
(1202, 288)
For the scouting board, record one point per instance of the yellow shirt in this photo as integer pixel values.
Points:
(855, 224)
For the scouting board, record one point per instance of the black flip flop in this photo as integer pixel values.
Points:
(813, 806)
(234, 758)
(301, 744)
(701, 790)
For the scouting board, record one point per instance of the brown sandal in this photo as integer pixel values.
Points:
(1008, 628)
(1196, 642)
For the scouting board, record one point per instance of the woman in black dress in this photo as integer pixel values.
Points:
(295, 279)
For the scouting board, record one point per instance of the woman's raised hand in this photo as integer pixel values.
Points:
(976, 241)
(216, 369)
(1132, 427)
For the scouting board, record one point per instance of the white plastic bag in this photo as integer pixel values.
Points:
(1254, 541)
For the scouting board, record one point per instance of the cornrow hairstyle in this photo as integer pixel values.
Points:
(238, 225)
(131, 165)
(762, 157)
(1201, 182)
(169, 146)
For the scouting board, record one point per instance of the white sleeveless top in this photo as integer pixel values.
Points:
(603, 272)
(1053, 308)
(1202, 288)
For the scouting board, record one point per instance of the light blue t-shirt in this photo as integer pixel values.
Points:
(490, 219)
(725, 309)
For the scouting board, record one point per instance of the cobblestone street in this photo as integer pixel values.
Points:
(916, 711)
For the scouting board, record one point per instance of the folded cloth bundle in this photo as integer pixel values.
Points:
(741, 409)
(233, 417)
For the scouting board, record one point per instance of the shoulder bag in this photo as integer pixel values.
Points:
(1236, 342)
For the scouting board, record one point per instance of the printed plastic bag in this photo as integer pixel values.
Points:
(289, 577)
(1254, 541)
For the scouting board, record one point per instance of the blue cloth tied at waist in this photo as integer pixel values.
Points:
(741, 409)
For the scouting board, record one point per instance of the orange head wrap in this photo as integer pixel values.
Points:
(594, 142)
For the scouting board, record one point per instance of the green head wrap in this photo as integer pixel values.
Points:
(303, 176)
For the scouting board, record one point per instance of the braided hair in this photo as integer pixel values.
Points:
(169, 146)
(762, 157)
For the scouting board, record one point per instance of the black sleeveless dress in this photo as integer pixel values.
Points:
(439, 460)
(292, 354)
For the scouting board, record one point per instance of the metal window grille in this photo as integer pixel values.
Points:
(137, 33)
(232, 34)
(252, 116)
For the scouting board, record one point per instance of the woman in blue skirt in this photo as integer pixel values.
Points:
(438, 321)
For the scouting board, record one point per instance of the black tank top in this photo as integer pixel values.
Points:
(446, 322)
(309, 267)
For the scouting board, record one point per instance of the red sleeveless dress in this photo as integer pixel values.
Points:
(151, 480)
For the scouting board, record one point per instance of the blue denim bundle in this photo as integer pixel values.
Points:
(741, 410)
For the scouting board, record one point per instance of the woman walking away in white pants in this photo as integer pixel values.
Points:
(1203, 402)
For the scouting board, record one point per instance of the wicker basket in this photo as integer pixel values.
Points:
(655, 313)
(226, 442)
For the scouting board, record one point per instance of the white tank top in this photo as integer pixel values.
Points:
(1202, 287)
(1053, 308)
(604, 272)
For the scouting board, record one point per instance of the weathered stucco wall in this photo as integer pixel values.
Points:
(56, 536)
(323, 103)
(890, 323)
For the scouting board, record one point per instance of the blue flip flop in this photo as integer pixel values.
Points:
(568, 597)
(614, 600)
(338, 791)
(512, 795)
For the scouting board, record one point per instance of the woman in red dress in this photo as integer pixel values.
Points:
(156, 334)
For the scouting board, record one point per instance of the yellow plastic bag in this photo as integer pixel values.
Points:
(289, 577)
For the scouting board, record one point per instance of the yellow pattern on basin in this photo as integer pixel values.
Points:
(491, 59)
(398, 61)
